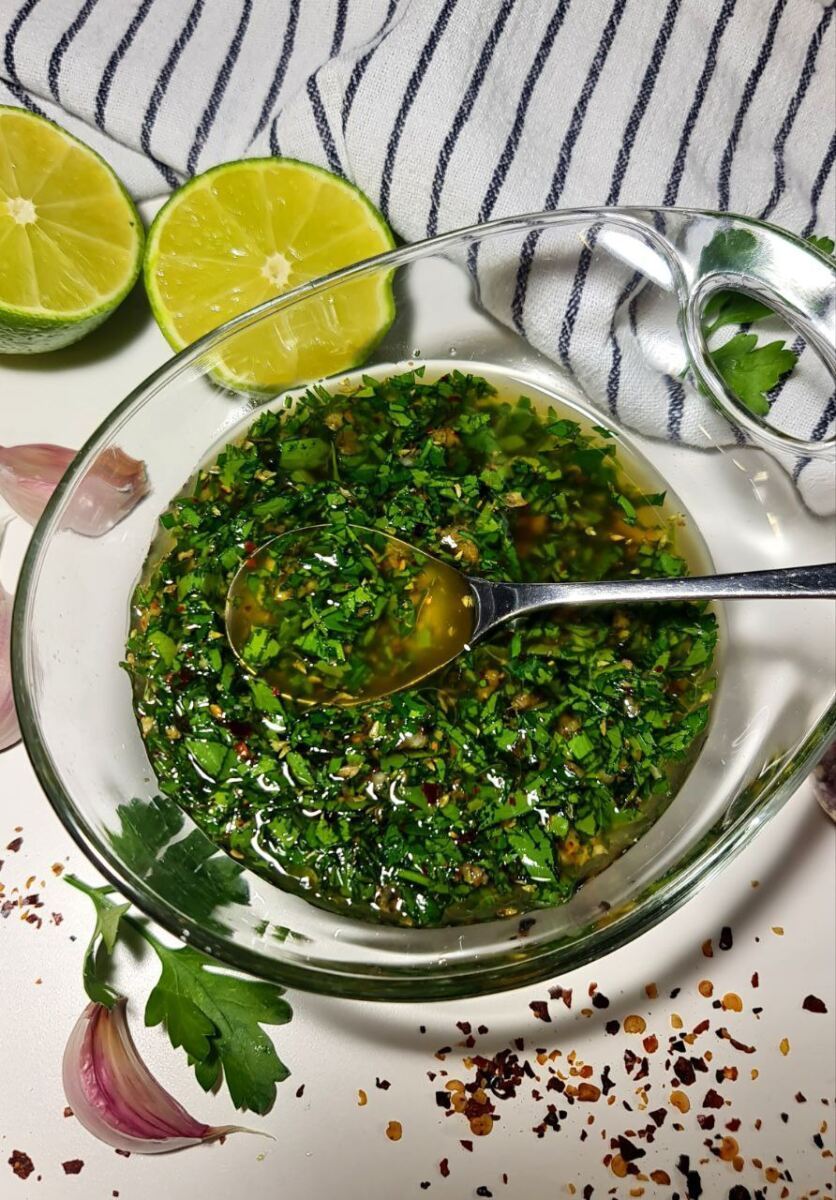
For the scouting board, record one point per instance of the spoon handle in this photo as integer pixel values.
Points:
(502, 601)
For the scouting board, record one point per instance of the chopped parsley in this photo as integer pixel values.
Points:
(499, 783)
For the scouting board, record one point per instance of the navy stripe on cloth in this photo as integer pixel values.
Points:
(207, 120)
(412, 88)
(281, 69)
(807, 72)
(622, 161)
(745, 101)
(359, 69)
(163, 80)
(564, 158)
(122, 47)
(709, 66)
(322, 126)
(614, 377)
(22, 96)
(11, 37)
(339, 28)
(509, 150)
(63, 44)
(463, 113)
(818, 186)
(818, 433)
(676, 406)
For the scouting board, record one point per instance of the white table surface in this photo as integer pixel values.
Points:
(326, 1145)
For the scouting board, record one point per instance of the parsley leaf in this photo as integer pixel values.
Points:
(217, 1019)
(750, 370)
(105, 933)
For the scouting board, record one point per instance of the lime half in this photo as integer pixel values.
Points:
(70, 236)
(248, 231)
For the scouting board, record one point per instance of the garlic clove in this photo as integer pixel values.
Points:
(110, 488)
(115, 1096)
(9, 728)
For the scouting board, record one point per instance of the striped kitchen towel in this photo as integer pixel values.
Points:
(448, 112)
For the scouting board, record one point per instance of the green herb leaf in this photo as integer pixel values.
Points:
(108, 917)
(732, 308)
(751, 371)
(217, 1019)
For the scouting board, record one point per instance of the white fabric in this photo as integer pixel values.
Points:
(446, 112)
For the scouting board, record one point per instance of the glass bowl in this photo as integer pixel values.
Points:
(611, 303)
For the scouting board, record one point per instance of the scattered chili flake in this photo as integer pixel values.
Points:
(123, 1153)
(814, 1005)
(21, 1163)
(634, 1024)
(540, 1009)
(612, 1027)
(707, 948)
(705, 987)
(726, 940)
(73, 1166)
(482, 1030)
(692, 1178)
(424, 1184)
(68, 1112)
(482, 1125)
(561, 993)
(300, 1091)
(362, 1098)
(731, 1001)
(467, 1144)
(14, 846)
(444, 1168)
(383, 1084)
(800, 1098)
(588, 1091)
(394, 1131)
(676, 1021)
(739, 1192)
(483, 1191)
(660, 1177)
(680, 1100)
(442, 1099)
(713, 1099)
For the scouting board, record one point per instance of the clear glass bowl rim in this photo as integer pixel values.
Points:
(493, 973)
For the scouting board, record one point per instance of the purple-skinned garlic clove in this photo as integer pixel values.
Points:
(111, 487)
(114, 1095)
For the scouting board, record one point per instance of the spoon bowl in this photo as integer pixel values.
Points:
(345, 614)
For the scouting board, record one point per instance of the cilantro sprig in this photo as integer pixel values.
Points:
(749, 368)
(216, 1017)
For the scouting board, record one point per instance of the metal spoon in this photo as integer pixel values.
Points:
(473, 607)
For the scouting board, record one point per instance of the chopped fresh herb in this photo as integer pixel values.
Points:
(506, 778)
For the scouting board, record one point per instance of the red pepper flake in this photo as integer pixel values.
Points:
(726, 940)
(73, 1166)
(483, 1191)
(713, 1099)
(723, 1033)
(628, 1151)
(444, 1168)
(300, 1091)
(800, 1098)
(651, 991)
(57, 918)
(21, 1164)
(442, 1099)
(588, 1092)
(424, 1184)
(467, 1144)
(68, 1112)
(57, 869)
(600, 1001)
(612, 1027)
(707, 948)
(14, 845)
(383, 1084)
(814, 1005)
(124, 1153)
(540, 1009)
(561, 993)
(755, 981)
(482, 1030)
(394, 1131)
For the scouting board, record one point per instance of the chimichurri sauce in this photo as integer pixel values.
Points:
(498, 783)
